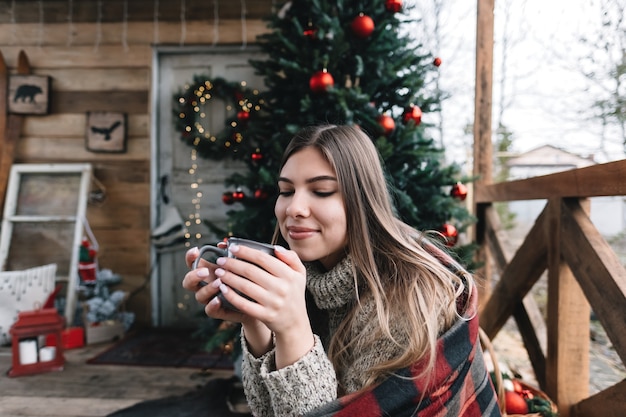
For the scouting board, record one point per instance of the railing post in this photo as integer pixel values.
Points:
(567, 365)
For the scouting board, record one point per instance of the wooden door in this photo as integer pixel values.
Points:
(173, 192)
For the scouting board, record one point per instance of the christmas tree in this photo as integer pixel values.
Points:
(348, 62)
(342, 62)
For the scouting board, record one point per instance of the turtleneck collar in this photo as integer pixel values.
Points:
(331, 289)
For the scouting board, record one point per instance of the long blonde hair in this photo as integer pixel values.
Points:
(412, 291)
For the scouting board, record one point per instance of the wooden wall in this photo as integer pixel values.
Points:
(105, 64)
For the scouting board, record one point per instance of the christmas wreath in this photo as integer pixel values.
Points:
(191, 115)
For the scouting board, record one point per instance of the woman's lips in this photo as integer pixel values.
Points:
(298, 233)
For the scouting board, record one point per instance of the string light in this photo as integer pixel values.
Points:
(216, 22)
(244, 34)
(125, 27)
(98, 25)
(40, 31)
(70, 22)
(155, 22)
(183, 22)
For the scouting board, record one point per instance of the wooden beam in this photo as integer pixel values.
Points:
(608, 403)
(568, 321)
(598, 180)
(130, 102)
(517, 279)
(598, 270)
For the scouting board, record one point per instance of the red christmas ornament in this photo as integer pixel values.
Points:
(321, 82)
(450, 233)
(393, 6)
(437, 61)
(310, 31)
(260, 194)
(459, 191)
(227, 198)
(238, 195)
(256, 156)
(362, 26)
(386, 123)
(414, 113)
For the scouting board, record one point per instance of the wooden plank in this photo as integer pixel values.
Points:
(598, 270)
(517, 279)
(97, 79)
(597, 180)
(115, 10)
(568, 322)
(608, 403)
(136, 33)
(106, 56)
(54, 149)
(62, 407)
(74, 125)
(130, 102)
(530, 329)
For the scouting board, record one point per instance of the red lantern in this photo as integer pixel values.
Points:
(227, 198)
(414, 113)
(362, 26)
(321, 82)
(393, 6)
(386, 123)
(450, 234)
(437, 61)
(459, 191)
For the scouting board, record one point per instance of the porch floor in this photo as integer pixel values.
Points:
(83, 390)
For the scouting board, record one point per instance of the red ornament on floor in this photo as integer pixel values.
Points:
(362, 26)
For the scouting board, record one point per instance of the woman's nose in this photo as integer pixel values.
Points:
(298, 206)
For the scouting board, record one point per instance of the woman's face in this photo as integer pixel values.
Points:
(310, 210)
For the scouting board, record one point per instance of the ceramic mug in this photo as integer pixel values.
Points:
(225, 252)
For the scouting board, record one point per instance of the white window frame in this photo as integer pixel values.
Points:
(78, 218)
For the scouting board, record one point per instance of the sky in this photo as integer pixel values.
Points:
(544, 99)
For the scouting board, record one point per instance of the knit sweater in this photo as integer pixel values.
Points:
(312, 381)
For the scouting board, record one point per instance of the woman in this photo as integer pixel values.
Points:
(361, 315)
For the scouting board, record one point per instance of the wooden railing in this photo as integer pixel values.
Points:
(583, 273)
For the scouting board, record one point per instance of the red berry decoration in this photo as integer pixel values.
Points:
(414, 113)
(386, 123)
(362, 26)
(393, 6)
(459, 191)
(227, 198)
(450, 233)
(238, 195)
(437, 61)
(260, 194)
(256, 155)
(243, 116)
(321, 82)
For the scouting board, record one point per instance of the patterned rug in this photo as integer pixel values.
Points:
(162, 347)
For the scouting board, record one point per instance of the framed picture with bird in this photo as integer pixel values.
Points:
(106, 132)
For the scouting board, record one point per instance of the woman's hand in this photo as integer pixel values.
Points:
(277, 286)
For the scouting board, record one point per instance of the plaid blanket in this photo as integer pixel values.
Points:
(459, 387)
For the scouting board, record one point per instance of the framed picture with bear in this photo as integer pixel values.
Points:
(28, 94)
(106, 132)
